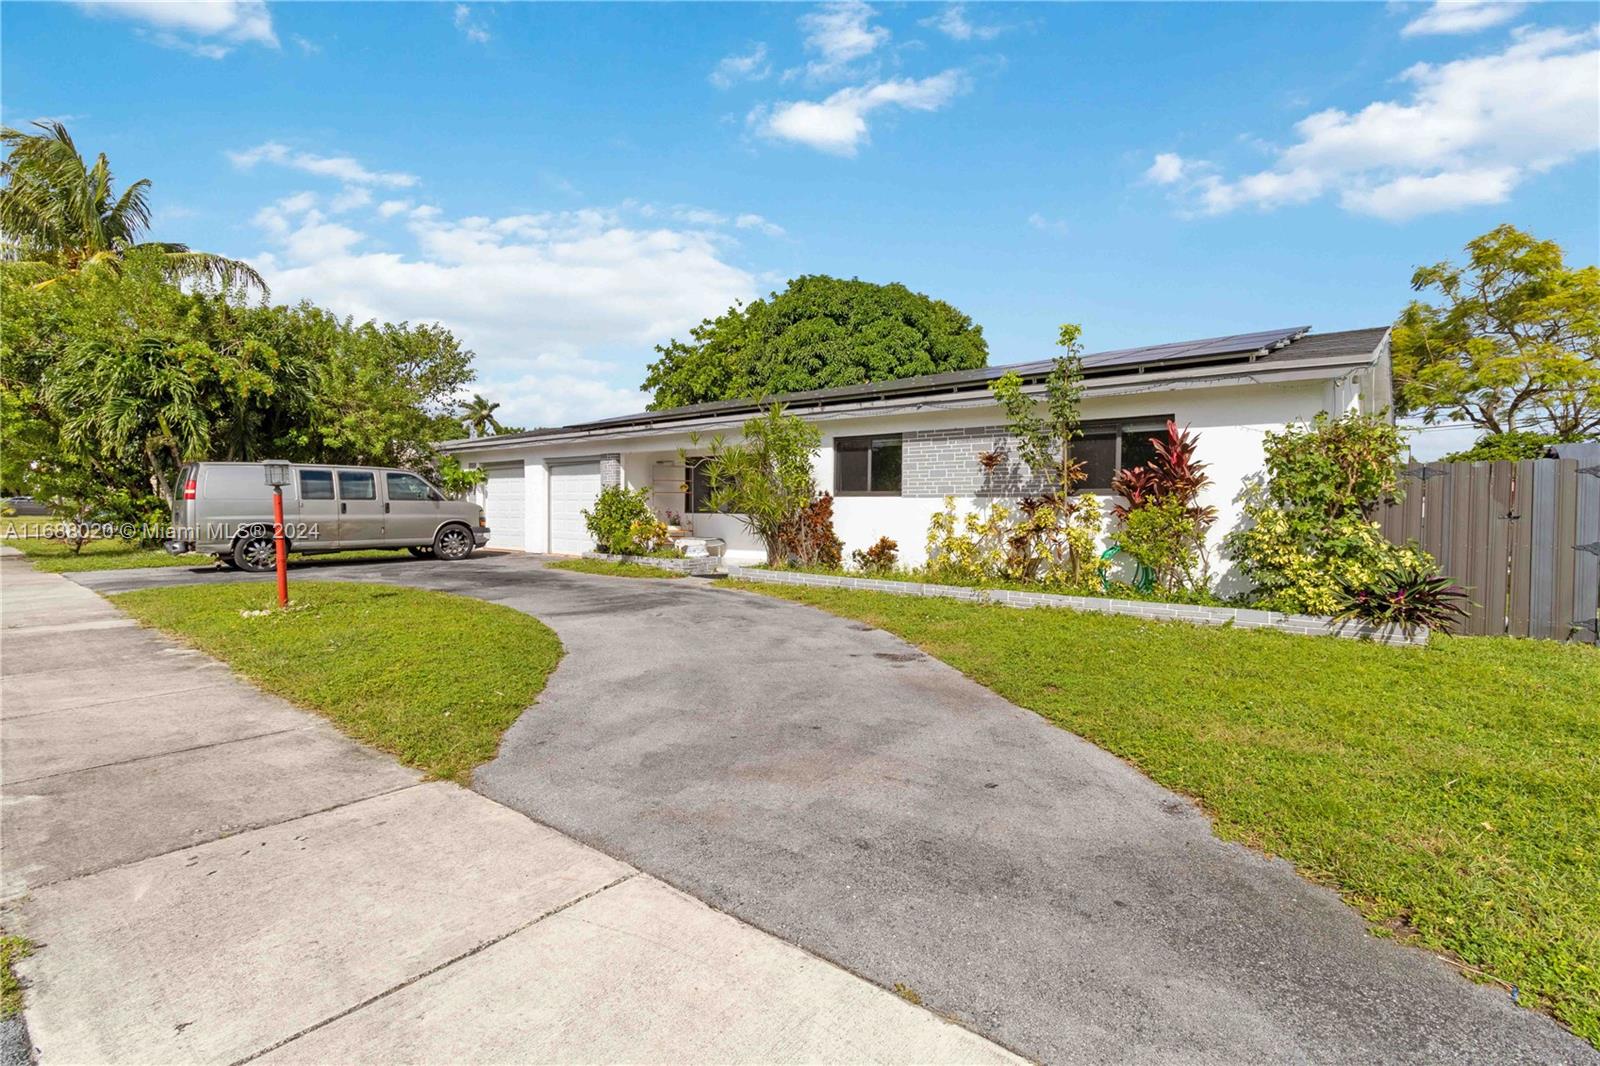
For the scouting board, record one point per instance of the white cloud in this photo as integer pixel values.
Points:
(208, 28)
(343, 168)
(756, 222)
(1461, 16)
(350, 198)
(954, 24)
(1470, 132)
(838, 124)
(840, 32)
(1048, 225)
(733, 69)
(1167, 169)
(471, 27)
(560, 307)
(1414, 194)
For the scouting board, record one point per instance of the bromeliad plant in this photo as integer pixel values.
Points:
(1408, 592)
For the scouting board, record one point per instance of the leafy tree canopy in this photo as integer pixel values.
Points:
(818, 333)
(1514, 346)
(1515, 445)
(113, 379)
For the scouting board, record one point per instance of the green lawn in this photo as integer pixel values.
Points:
(12, 948)
(611, 569)
(431, 677)
(1451, 792)
(113, 553)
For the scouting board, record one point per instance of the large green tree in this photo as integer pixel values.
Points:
(1514, 345)
(58, 215)
(115, 379)
(820, 332)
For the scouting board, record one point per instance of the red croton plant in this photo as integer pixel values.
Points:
(1173, 473)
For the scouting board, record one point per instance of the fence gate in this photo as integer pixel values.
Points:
(1523, 537)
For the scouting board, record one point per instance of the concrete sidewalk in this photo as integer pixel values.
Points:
(212, 875)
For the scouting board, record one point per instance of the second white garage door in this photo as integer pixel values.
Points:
(573, 489)
(505, 501)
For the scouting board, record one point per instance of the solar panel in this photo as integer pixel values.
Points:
(1232, 344)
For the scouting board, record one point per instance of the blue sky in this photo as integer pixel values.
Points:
(565, 185)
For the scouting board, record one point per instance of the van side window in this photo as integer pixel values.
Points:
(407, 487)
(316, 484)
(357, 485)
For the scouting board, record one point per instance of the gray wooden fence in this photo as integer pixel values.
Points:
(1523, 537)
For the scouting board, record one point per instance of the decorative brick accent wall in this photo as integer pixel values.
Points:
(1308, 625)
(610, 470)
(944, 462)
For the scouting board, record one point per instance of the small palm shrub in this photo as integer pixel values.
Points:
(622, 522)
(1408, 592)
(878, 559)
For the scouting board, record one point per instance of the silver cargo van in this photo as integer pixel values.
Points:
(226, 509)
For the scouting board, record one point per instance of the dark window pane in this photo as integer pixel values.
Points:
(357, 485)
(1137, 449)
(1098, 454)
(698, 499)
(406, 487)
(886, 464)
(850, 467)
(316, 484)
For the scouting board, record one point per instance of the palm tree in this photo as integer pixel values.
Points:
(61, 215)
(477, 415)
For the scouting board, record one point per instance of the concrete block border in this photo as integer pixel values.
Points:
(700, 565)
(1310, 625)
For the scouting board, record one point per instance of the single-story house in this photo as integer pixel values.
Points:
(893, 450)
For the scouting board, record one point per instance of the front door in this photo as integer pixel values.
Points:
(413, 508)
(360, 511)
(317, 525)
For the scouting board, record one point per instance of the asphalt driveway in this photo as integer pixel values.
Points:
(833, 785)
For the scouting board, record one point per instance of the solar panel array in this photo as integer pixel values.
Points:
(1184, 351)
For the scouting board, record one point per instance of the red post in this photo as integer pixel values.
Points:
(281, 545)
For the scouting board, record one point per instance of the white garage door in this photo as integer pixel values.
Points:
(504, 505)
(573, 490)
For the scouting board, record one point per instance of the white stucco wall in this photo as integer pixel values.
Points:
(1231, 423)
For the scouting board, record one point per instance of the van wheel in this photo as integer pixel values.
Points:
(255, 553)
(422, 553)
(452, 543)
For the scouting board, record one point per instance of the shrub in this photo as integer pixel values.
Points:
(1052, 539)
(1311, 533)
(1407, 591)
(969, 548)
(622, 522)
(878, 559)
(1169, 542)
(808, 539)
(1163, 524)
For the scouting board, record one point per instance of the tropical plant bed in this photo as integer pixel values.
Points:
(1447, 791)
(1238, 617)
(619, 566)
(430, 677)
